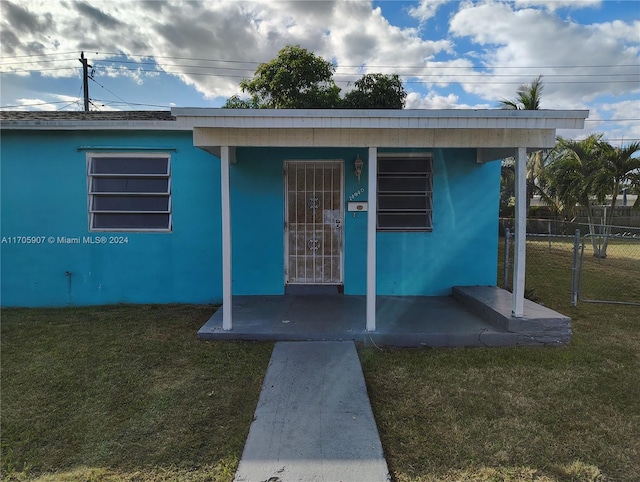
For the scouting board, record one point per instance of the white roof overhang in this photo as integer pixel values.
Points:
(494, 132)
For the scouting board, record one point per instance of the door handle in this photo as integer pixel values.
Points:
(338, 222)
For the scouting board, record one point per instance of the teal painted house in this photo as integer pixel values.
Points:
(199, 205)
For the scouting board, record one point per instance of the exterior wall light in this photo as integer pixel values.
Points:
(358, 163)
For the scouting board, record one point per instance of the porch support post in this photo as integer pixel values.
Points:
(520, 234)
(371, 238)
(226, 237)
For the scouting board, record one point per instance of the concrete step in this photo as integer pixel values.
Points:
(539, 325)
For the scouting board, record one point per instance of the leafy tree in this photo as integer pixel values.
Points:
(295, 79)
(376, 91)
(299, 79)
(235, 102)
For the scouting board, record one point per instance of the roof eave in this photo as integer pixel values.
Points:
(387, 119)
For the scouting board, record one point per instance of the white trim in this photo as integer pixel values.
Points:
(519, 251)
(91, 195)
(226, 239)
(371, 238)
(385, 118)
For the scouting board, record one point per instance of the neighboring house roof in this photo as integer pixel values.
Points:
(71, 120)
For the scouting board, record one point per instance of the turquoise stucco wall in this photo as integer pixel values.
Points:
(461, 249)
(44, 193)
(257, 205)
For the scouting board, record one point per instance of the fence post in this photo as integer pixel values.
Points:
(575, 270)
(505, 276)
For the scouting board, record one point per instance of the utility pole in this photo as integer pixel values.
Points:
(85, 80)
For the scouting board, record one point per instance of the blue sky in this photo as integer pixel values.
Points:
(157, 54)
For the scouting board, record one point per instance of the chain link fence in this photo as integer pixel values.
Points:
(584, 267)
(609, 269)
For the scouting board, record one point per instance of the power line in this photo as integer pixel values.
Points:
(471, 78)
(254, 62)
(73, 52)
(37, 61)
(130, 103)
(112, 93)
(420, 71)
(35, 104)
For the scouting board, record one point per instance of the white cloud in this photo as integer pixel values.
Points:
(426, 9)
(518, 45)
(619, 30)
(348, 33)
(626, 120)
(55, 102)
(435, 101)
(553, 5)
(488, 48)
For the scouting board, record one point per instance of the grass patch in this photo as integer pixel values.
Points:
(127, 393)
(517, 414)
(124, 393)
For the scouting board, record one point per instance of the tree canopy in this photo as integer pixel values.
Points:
(299, 79)
(295, 79)
(376, 91)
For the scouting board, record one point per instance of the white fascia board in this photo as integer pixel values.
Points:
(382, 119)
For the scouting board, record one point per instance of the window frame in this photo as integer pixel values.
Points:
(92, 194)
(427, 193)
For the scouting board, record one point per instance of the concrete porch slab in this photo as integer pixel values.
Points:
(401, 321)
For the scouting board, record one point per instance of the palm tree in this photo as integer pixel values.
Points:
(619, 169)
(570, 175)
(589, 171)
(529, 96)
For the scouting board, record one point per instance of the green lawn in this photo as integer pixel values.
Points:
(519, 414)
(129, 393)
(124, 393)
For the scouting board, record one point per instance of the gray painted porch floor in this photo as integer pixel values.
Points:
(400, 321)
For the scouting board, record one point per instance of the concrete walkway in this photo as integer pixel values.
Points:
(313, 421)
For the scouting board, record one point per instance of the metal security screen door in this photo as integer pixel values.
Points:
(313, 222)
